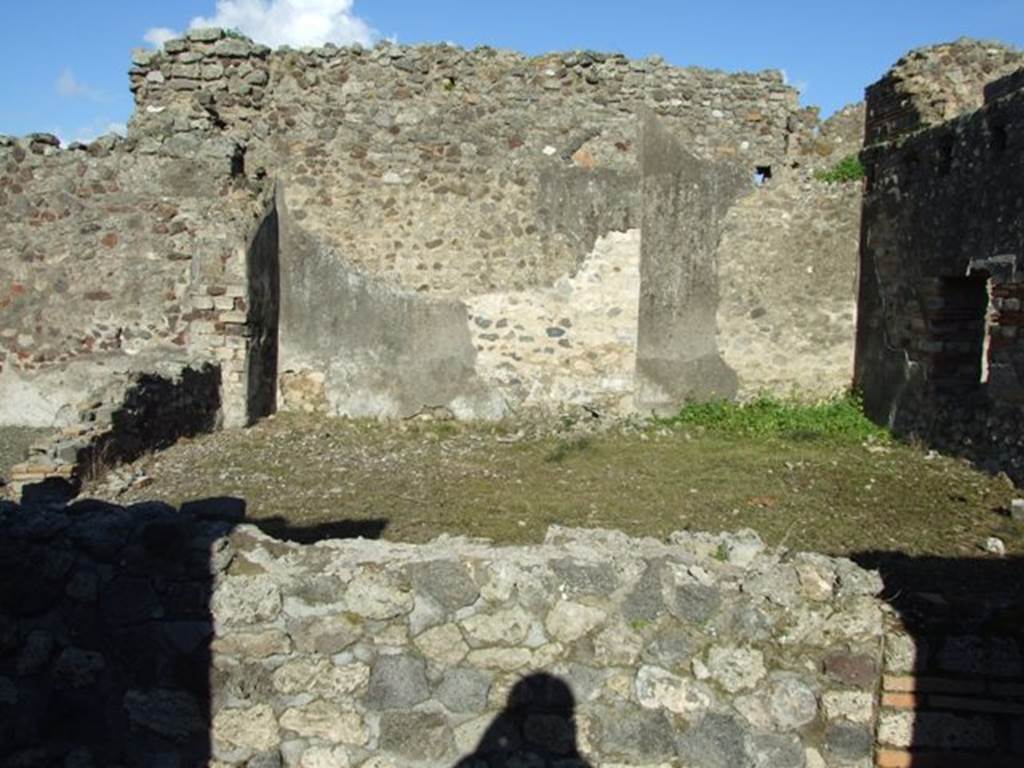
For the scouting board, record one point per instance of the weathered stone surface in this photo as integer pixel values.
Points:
(249, 730)
(246, 601)
(415, 735)
(256, 645)
(326, 635)
(659, 689)
(448, 582)
(464, 689)
(504, 659)
(321, 677)
(694, 603)
(736, 669)
(856, 706)
(717, 741)
(617, 645)
(567, 622)
(854, 669)
(646, 601)
(848, 741)
(296, 677)
(377, 597)
(397, 682)
(443, 645)
(792, 703)
(325, 757)
(326, 721)
(632, 734)
(506, 627)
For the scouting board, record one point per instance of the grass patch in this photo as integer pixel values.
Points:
(838, 493)
(841, 418)
(565, 448)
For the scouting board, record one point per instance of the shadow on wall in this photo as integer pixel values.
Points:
(106, 627)
(108, 641)
(953, 683)
(537, 727)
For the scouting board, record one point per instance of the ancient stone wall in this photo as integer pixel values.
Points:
(452, 171)
(938, 351)
(788, 294)
(931, 85)
(468, 229)
(113, 256)
(153, 635)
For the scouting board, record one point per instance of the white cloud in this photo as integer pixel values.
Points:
(69, 85)
(157, 36)
(88, 133)
(292, 22)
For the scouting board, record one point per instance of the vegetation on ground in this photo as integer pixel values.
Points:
(768, 417)
(849, 168)
(813, 478)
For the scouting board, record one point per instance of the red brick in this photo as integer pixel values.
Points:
(912, 684)
(894, 758)
(901, 700)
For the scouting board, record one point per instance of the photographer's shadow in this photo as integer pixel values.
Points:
(536, 728)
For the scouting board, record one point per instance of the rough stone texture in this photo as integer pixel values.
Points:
(938, 343)
(509, 154)
(685, 199)
(202, 641)
(932, 85)
(787, 311)
(461, 235)
(135, 413)
(115, 253)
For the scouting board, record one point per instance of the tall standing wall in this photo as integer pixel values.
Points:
(938, 345)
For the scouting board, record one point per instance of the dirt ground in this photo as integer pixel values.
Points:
(307, 477)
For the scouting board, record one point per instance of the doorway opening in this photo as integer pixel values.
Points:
(957, 320)
(263, 273)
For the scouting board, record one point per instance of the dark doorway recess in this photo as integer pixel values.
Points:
(956, 309)
(264, 278)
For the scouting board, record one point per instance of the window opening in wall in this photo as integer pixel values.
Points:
(238, 163)
(762, 174)
(958, 317)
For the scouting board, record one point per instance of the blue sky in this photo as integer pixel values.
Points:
(64, 62)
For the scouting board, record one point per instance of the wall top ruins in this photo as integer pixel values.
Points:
(213, 79)
(934, 84)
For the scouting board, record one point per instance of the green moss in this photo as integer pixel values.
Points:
(849, 168)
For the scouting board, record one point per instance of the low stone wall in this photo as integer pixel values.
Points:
(939, 353)
(150, 635)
